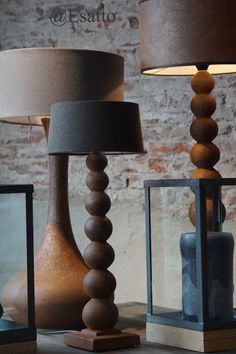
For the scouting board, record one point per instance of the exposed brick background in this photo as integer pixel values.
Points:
(166, 117)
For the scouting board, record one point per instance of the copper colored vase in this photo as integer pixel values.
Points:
(59, 266)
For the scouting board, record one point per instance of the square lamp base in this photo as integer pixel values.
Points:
(209, 341)
(96, 341)
(19, 348)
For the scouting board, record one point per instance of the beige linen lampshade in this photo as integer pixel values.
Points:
(31, 80)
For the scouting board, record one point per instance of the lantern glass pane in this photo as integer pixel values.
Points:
(169, 219)
(229, 225)
(13, 259)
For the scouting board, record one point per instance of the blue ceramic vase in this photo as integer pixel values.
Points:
(220, 276)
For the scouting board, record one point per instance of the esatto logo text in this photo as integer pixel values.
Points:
(59, 16)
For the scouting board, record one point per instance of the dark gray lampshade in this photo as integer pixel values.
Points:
(82, 127)
(176, 35)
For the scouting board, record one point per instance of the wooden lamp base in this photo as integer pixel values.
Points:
(208, 341)
(100, 314)
(97, 341)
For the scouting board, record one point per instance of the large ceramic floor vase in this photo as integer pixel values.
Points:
(59, 266)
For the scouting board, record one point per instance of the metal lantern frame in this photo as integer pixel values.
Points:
(174, 318)
(12, 332)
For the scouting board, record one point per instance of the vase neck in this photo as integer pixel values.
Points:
(58, 205)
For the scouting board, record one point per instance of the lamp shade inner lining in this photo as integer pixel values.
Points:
(31, 120)
(189, 70)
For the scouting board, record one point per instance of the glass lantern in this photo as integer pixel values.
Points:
(16, 253)
(190, 283)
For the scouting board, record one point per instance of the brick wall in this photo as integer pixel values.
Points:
(164, 107)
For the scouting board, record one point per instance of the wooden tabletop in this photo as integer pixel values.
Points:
(132, 317)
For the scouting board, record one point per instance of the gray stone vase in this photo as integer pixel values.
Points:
(220, 276)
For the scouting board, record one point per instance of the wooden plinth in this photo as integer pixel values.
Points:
(97, 341)
(210, 341)
(19, 348)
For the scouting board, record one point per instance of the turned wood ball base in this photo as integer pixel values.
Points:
(97, 341)
(205, 342)
(100, 314)
(204, 154)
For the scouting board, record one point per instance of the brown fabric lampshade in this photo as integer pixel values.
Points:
(32, 79)
(82, 127)
(177, 35)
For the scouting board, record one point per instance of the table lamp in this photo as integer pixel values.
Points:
(31, 80)
(188, 37)
(197, 38)
(96, 128)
